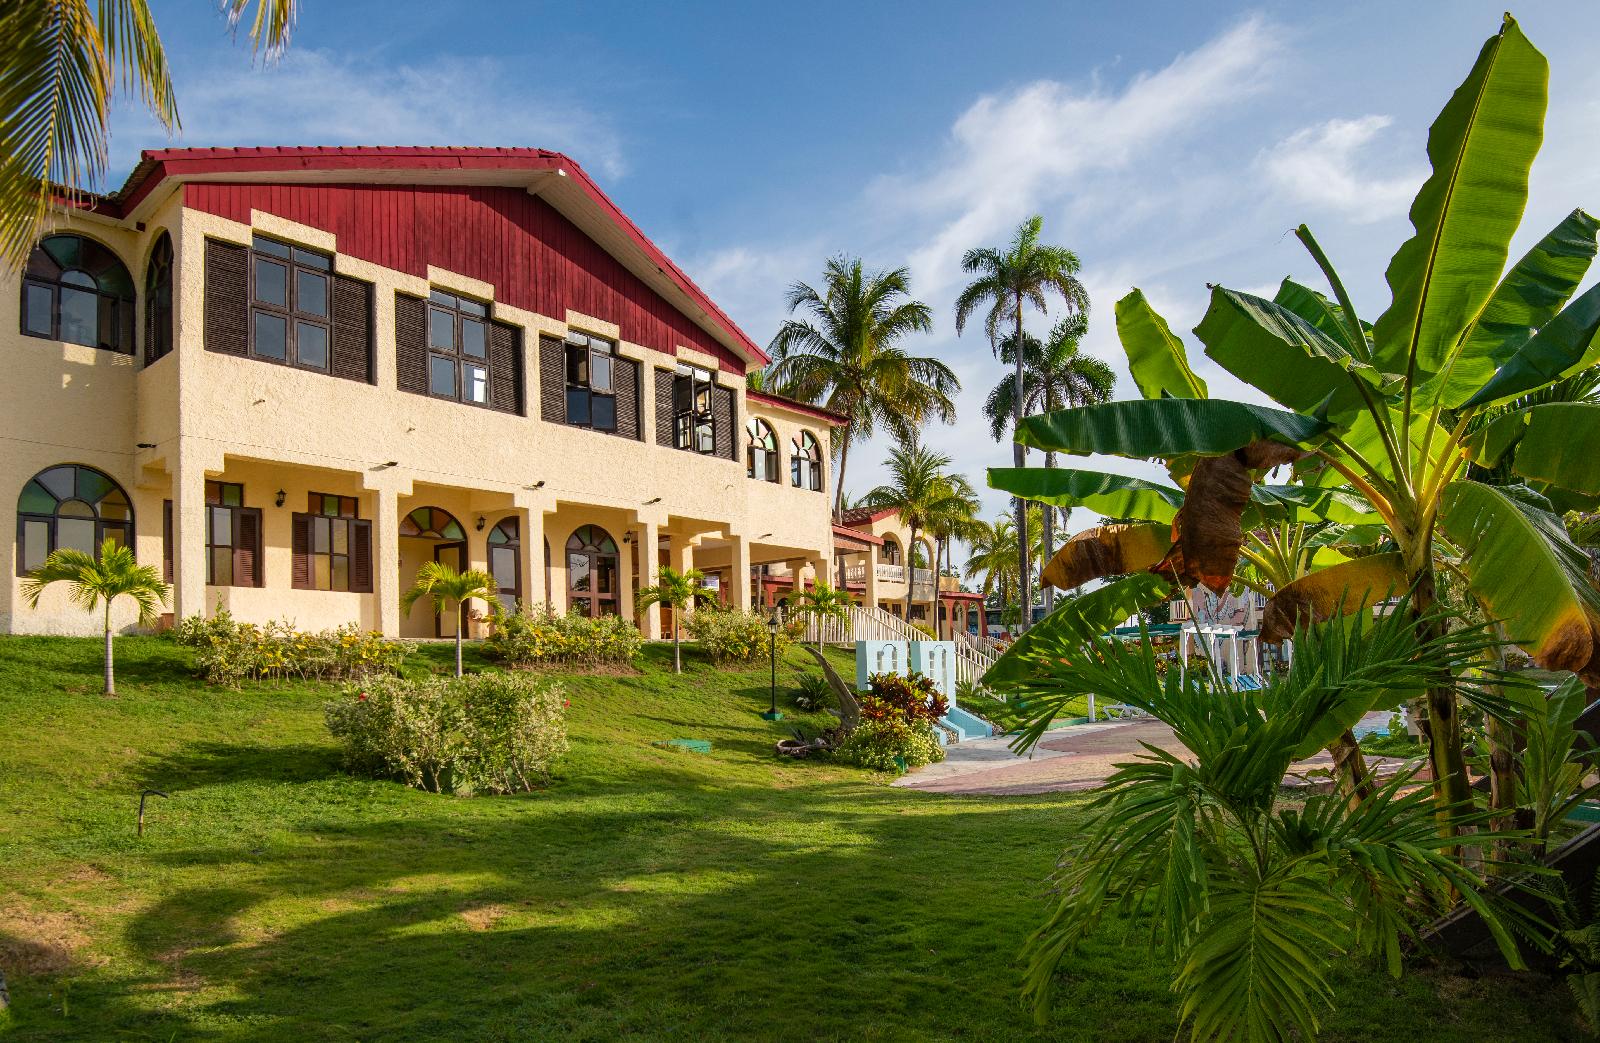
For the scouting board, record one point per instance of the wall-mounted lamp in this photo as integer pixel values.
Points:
(627, 537)
(763, 535)
(391, 463)
(145, 445)
(480, 523)
(279, 501)
(536, 485)
(653, 499)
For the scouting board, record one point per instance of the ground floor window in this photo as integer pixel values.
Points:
(505, 562)
(233, 537)
(70, 507)
(331, 546)
(592, 572)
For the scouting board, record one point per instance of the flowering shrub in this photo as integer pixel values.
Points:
(229, 652)
(735, 636)
(483, 733)
(897, 715)
(534, 634)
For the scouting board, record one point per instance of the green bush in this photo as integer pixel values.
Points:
(735, 636)
(228, 652)
(811, 693)
(534, 635)
(876, 744)
(483, 733)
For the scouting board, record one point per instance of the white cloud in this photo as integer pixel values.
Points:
(1324, 166)
(322, 98)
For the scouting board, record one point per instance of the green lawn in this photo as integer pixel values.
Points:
(648, 894)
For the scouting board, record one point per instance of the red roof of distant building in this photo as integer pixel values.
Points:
(846, 532)
(782, 402)
(866, 515)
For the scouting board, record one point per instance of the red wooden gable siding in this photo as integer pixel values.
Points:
(533, 256)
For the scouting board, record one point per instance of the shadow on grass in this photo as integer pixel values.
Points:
(196, 764)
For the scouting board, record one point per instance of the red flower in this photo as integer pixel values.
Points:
(361, 697)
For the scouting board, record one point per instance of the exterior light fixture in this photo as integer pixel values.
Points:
(535, 486)
(278, 502)
(773, 626)
(653, 499)
(479, 526)
(145, 445)
(391, 463)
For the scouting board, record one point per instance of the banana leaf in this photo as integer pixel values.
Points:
(1156, 358)
(1355, 585)
(1270, 347)
(1480, 147)
(1107, 550)
(1562, 446)
(1166, 428)
(1325, 315)
(1091, 613)
(1520, 564)
(1531, 294)
(1548, 355)
(1113, 495)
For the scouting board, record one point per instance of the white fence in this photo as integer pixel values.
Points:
(873, 624)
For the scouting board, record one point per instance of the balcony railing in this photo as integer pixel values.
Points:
(855, 573)
(891, 573)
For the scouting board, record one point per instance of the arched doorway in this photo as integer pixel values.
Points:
(430, 534)
(592, 572)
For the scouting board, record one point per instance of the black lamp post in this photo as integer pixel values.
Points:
(773, 625)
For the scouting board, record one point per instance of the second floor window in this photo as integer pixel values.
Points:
(694, 425)
(458, 348)
(805, 463)
(77, 291)
(289, 304)
(591, 382)
(761, 452)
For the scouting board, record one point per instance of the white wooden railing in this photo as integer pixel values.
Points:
(862, 623)
(891, 573)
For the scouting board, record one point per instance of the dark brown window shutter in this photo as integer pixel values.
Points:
(625, 381)
(552, 380)
(505, 368)
(352, 329)
(411, 343)
(300, 552)
(227, 307)
(361, 557)
(665, 416)
(166, 541)
(722, 415)
(247, 547)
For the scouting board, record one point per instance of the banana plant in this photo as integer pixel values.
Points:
(1391, 413)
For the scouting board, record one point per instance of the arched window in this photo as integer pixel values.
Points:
(432, 523)
(761, 451)
(77, 291)
(158, 301)
(592, 572)
(70, 506)
(805, 462)
(505, 561)
(891, 552)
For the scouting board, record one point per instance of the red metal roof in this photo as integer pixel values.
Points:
(159, 165)
(846, 532)
(866, 515)
(836, 419)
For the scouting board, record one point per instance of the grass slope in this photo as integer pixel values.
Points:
(647, 894)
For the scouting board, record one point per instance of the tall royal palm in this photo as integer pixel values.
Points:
(845, 353)
(921, 493)
(992, 557)
(957, 519)
(1056, 374)
(61, 62)
(1028, 272)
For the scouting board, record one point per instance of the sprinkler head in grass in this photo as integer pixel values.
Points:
(142, 796)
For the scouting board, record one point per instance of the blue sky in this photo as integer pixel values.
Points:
(1169, 144)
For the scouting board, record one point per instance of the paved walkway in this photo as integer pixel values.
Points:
(1078, 757)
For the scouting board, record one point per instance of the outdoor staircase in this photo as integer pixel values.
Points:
(863, 623)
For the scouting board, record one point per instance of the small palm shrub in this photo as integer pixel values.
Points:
(811, 693)
(535, 636)
(485, 733)
(228, 652)
(735, 636)
(896, 730)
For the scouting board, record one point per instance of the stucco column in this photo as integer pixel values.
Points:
(871, 578)
(386, 567)
(531, 521)
(625, 585)
(557, 535)
(649, 554)
(188, 533)
(739, 559)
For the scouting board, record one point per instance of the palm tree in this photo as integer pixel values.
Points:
(1008, 281)
(1055, 375)
(846, 355)
(445, 585)
(116, 574)
(60, 63)
(992, 557)
(677, 591)
(957, 520)
(920, 492)
(821, 602)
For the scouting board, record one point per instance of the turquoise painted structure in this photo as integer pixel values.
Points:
(935, 660)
